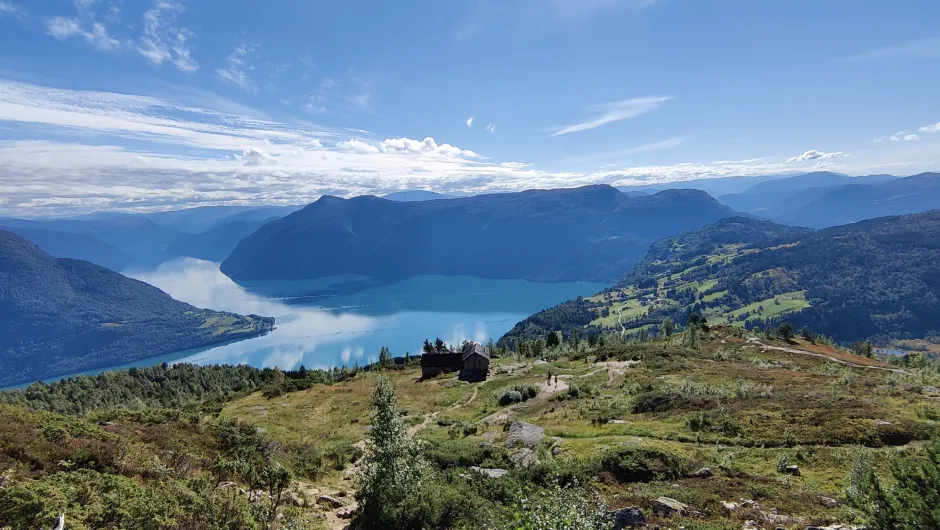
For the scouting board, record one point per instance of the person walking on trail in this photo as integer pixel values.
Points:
(549, 382)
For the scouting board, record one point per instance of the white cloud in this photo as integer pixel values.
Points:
(426, 147)
(84, 5)
(256, 157)
(615, 111)
(9, 7)
(902, 136)
(95, 35)
(813, 154)
(469, 121)
(164, 42)
(237, 67)
(491, 128)
(921, 49)
(930, 129)
(151, 153)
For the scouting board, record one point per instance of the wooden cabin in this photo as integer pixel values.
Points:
(472, 363)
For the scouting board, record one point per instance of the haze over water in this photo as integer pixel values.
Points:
(325, 331)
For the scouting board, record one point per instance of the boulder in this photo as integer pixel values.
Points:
(828, 502)
(523, 458)
(332, 502)
(792, 470)
(492, 473)
(703, 473)
(666, 506)
(522, 434)
(751, 525)
(730, 506)
(627, 517)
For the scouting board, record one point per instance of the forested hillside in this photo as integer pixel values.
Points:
(60, 316)
(872, 280)
(584, 234)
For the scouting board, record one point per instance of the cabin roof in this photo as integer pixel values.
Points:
(475, 348)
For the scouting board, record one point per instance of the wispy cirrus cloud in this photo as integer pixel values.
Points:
(10, 8)
(614, 112)
(94, 34)
(813, 154)
(491, 128)
(469, 122)
(237, 67)
(930, 129)
(920, 49)
(630, 151)
(163, 41)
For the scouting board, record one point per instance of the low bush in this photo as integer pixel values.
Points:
(643, 464)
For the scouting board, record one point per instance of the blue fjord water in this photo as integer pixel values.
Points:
(320, 331)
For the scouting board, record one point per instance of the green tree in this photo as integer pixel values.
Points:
(669, 327)
(385, 358)
(911, 502)
(785, 331)
(863, 348)
(551, 339)
(393, 468)
(428, 347)
(808, 335)
(439, 346)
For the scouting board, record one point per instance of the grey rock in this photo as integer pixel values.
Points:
(557, 450)
(489, 436)
(492, 473)
(705, 472)
(332, 502)
(792, 470)
(666, 506)
(751, 525)
(523, 458)
(931, 390)
(627, 517)
(829, 502)
(522, 434)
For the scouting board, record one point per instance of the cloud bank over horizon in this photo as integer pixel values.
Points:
(109, 151)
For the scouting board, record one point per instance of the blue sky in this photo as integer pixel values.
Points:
(113, 104)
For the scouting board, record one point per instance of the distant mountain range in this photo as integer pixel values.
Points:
(59, 316)
(416, 196)
(585, 234)
(878, 279)
(116, 240)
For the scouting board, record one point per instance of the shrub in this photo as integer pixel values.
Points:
(509, 397)
(643, 464)
(654, 402)
(909, 503)
(557, 509)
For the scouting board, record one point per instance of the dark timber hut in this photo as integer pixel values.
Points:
(476, 362)
(472, 362)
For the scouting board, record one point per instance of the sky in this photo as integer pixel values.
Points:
(159, 104)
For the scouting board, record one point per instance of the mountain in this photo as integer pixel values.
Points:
(140, 238)
(196, 220)
(766, 197)
(216, 243)
(59, 316)
(877, 280)
(416, 196)
(715, 187)
(77, 246)
(852, 203)
(584, 234)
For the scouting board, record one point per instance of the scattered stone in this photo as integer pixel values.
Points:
(666, 506)
(834, 527)
(261, 410)
(618, 422)
(730, 506)
(489, 436)
(751, 525)
(829, 502)
(792, 470)
(524, 434)
(705, 472)
(492, 473)
(106, 423)
(882, 422)
(329, 501)
(295, 498)
(931, 390)
(523, 458)
(627, 517)
(557, 450)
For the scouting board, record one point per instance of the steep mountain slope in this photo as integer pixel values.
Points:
(849, 204)
(590, 234)
(59, 316)
(767, 198)
(76, 246)
(876, 280)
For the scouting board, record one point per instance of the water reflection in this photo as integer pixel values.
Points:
(322, 331)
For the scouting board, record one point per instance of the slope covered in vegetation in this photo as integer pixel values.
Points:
(61, 316)
(602, 428)
(872, 280)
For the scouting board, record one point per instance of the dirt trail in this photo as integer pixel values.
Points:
(764, 347)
